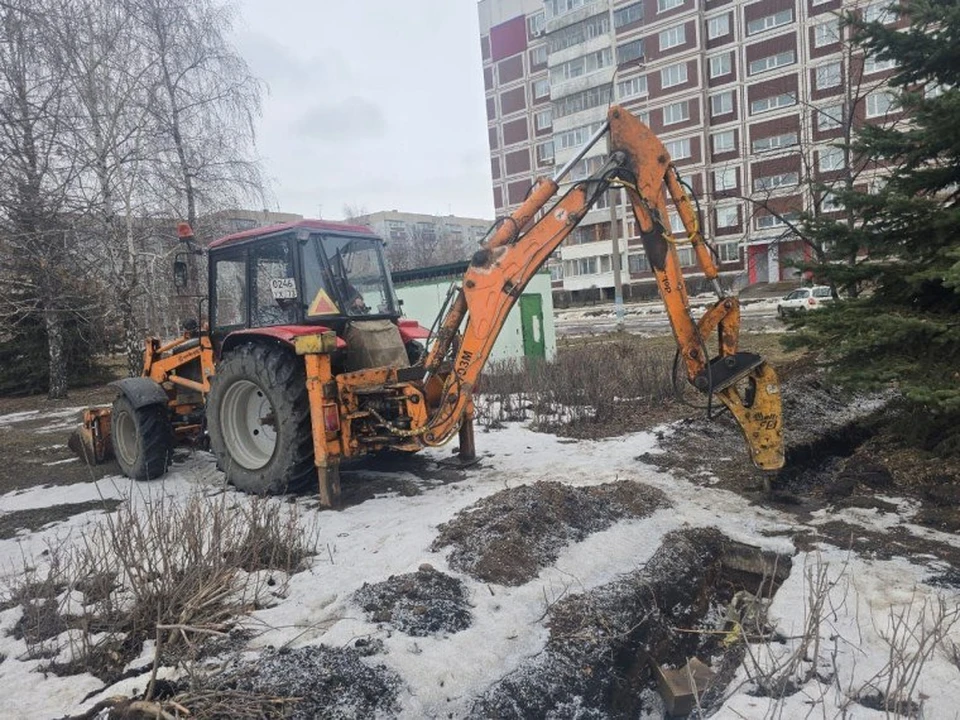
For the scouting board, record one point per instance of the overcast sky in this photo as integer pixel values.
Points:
(375, 103)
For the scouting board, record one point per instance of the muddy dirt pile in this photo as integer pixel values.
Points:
(508, 537)
(311, 682)
(822, 426)
(603, 643)
(423, 603)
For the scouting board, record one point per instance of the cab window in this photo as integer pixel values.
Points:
(229, 301)
(273, 285)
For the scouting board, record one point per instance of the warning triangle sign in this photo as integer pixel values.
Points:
(323, 305)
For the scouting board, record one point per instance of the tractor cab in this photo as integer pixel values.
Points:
(292, 279)
(309, 272)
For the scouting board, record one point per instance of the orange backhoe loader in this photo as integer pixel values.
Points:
(305, 359)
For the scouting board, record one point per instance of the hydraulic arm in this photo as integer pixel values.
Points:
(522, 242)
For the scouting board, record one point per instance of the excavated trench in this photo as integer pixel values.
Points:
(818, 466)
(607, 646)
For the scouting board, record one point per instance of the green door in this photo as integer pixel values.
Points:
(531, 323)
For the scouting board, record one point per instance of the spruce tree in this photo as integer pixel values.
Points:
(900, 263)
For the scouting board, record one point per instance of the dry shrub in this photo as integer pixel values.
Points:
(175, 571)
(588, 390)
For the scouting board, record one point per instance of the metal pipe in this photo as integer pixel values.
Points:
(559, 175)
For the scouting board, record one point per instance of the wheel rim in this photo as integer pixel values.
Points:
(125, 438)
(248, 424)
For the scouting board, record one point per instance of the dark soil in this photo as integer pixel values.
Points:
(315, 682)
(13, 522)
(508, 537)
(604, 643)
(31, 444)
(423, 603)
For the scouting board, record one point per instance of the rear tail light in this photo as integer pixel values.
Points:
(812, 301)
(331, 418)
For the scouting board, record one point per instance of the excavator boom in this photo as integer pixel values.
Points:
(522, 242)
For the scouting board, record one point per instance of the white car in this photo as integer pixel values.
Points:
(803, 299)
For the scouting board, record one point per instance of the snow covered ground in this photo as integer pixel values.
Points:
(871, 612)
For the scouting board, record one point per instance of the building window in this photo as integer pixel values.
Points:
(881, 12)
(556, 272)
(828, 76)
(628, 15)
(721, 65)
(541, 89)
(543, 119)
(584, 65)
(585, 100)
(723, 142)
(772, 182)
(829, 117)
(728, 216)
(775, 142)
(634, 87)
(772, 61)
(772, 103)
(538, 55)
(765, 222)
(637, 263)
(880, 103)
(678, 149)
(718, 26)
(872, 65)
(676, 223)
(830, 203)
(721, 103)
(536, 24)
(673, 75)
(724, 179)
(676, 112)
(556, 8)
(728, 252)
(685, 256)
(578, 33)
(545, 152)
(629, 52)
(664, 5)
(769, 22)
(826, 33)
(575, 137)
(672, 37)
(932, 90)
(830, 158)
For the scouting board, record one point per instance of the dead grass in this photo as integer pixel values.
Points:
(175, 572)
(606, 385)
(591, 390)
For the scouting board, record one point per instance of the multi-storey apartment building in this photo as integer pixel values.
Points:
(749, 96)
(417, 240)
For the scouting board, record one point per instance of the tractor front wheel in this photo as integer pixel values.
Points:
(258, 417)
(142, 439)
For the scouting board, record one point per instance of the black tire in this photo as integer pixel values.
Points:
(258, 419)
(142, 439)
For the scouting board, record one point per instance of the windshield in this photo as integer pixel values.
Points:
(347, 276)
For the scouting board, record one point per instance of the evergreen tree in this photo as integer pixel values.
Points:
(900, 263)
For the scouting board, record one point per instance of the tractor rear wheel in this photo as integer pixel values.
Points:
(142, 439)
(258, 418)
